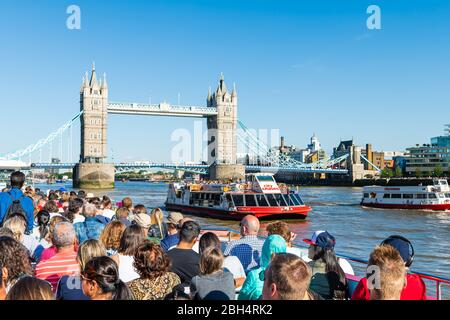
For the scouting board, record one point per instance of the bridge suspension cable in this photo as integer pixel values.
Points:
(43, 142)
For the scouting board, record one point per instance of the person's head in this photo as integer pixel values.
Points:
(272, 245)
(131, 238)
(64, 235)
(51, 227)
(211, 260)
(386, 273)
(51, 207)
(14, 260)
(31, 288)
(281, 228)
(106, 202)
(157, 216)
(189, 232)
(173, 220)
(111, 234)
(89, 210)
(43, 220)
(75, 206)
(127, 203)
(122, 213)
(249, 225)
(82, 194)
(100, 280)
(150, 260)
(182, 221)
(17, 179)
(209, 240)
(403, 246)
(17, 225)
(140, 209)
(320, 242)
(90, 249)
(142, 220)
(286, 278)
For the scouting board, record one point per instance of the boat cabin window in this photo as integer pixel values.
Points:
(373, 195)
(229, 200)
(366, 195)
(421, 196)
(441, 195)
(265, 178)
(387, 196)
(280, 199)
(262, 201)
(396, 196)
(238, 200)
(407, 196)
(250, 200)
(272, 201)
(298, 201)
(431, 196)
(447, 195)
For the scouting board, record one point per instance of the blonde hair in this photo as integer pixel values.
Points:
(391, 270)
(111, 234)
(90, 249)
(156, 217)
(17, 225)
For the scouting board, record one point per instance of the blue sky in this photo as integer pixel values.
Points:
(299, 66)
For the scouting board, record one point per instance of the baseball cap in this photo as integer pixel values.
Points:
(174, 217)
(62, 189)
(401, 245)
(90, 195)
(143, 220)
(322, 239)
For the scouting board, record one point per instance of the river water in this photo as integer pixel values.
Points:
(335, 209)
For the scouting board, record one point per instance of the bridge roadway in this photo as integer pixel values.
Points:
(194, 168)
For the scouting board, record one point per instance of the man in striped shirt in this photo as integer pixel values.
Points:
(64, 262)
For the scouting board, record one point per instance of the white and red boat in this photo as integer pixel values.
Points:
(259, 195)
(432, 197)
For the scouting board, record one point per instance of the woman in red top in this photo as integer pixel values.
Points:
(415, 288)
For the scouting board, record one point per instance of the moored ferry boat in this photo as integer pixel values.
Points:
(260, 196)
(432, 197)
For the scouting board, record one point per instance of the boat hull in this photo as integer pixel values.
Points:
(433, 207)
(262, 213)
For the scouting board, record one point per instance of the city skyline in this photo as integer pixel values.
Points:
(310, 68)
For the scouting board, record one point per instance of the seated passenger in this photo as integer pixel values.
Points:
(328, 278)
(415, 287)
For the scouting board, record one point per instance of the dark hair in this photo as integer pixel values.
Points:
(53, 196)
(51, 207)
(105, 272)
(73, 193)
(189, 231)
(31, 288)
(82, 194)
(131, 238)
(43, 219)
(15, 258)
(335, 274)
(150, 260)
(211, 260)
(127, 202)
(208, 240)
(106, 201)
(74, 206)
(140, 208)
(17, 179)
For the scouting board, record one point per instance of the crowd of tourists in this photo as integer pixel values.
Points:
(76, 246)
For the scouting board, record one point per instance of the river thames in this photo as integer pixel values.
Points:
(335, 209)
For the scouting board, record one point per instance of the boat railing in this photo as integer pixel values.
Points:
(438, 282)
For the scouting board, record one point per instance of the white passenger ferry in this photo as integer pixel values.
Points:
(432, 197)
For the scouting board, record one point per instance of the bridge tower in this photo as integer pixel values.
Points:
(92, 172)
(222, 140)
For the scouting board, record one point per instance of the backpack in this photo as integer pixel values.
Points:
(15, 209)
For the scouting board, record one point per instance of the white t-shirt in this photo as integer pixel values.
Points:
(234, 265)
(78, 218)
(108, 213)
(127, 272)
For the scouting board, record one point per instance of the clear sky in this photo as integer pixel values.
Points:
(299, 66)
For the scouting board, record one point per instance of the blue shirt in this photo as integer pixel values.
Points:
(91, 228)
(27, 205)
(170, 241)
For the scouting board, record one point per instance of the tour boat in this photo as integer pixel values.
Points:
(432, 197)
(259, 195)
